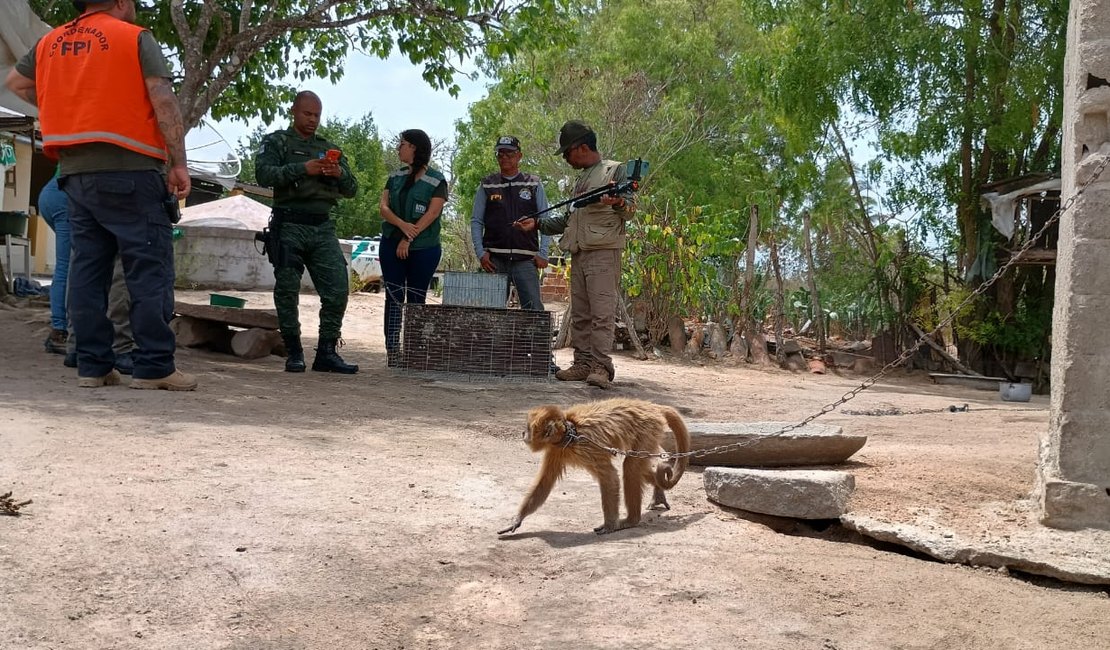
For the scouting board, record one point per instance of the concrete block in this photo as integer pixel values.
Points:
(226, 258)
(803, 494)
(1094, 229)
(1083, 447)
(1066, 504)
(1077, 321)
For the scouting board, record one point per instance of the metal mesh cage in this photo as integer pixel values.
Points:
(475, 289)
(477, 342)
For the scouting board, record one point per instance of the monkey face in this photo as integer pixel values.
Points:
(545, 427)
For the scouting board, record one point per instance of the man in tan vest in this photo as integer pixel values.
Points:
(594, 235)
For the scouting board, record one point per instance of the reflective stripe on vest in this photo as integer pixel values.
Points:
(71, 139)
(512, 251)
(91, 87)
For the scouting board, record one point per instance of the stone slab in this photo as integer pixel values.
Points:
(759, 445)
(1022, 545)
(264, 318)
(798, 493)
(967, 381)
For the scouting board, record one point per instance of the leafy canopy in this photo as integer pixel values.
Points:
(233, 57)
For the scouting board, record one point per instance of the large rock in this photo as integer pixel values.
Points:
(758, 444)
(798, 493)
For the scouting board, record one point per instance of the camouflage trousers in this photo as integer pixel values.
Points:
(315, 248)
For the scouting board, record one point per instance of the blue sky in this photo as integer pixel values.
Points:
(392, 91)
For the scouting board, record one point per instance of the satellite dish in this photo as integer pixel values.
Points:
(209, 156)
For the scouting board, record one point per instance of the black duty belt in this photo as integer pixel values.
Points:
(286, 215)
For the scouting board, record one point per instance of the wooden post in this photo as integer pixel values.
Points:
(748, 326)
(811, 281)
(780, 316)
(631, 326)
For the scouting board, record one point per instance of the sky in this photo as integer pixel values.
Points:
(392, 90)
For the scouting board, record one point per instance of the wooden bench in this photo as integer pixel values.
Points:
(210, 326)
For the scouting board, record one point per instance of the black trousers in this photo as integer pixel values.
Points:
(121, 212)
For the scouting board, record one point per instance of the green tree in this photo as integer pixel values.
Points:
(231, 55)
(366, 155)
(675, 103)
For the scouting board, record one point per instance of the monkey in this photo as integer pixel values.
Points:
(625, 424)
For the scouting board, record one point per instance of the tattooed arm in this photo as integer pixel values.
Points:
(22, 86)
(168, 113)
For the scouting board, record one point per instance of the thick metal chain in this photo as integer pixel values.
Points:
(902, 358)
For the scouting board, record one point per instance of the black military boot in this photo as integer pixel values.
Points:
(328, 360)
(294, 362)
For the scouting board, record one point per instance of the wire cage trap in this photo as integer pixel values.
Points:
(475, 342)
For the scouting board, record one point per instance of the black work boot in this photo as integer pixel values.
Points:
(328, 360)
(294, 362)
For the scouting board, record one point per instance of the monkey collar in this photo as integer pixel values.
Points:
(570, 433)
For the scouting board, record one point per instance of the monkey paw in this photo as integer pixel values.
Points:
(605, 529)
(512, 527)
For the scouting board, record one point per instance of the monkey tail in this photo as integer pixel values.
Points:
(668, 474)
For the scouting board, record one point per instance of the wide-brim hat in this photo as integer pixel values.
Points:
(572, 133)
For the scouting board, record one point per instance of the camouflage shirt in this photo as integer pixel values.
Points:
(279, 164)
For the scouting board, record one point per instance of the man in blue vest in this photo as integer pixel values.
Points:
(503, 198)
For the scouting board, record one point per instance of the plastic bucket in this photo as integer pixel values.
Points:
(1013, 392)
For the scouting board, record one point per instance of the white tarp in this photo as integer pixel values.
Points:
(20, 28)
(1003, 205)
(240, 212)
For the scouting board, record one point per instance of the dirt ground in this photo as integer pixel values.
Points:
(269, 510)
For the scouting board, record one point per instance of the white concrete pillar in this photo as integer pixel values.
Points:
(1073, 482)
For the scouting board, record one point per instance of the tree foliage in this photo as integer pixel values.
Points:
(232, 57)
(759, 106)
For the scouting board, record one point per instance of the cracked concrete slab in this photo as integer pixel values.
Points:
(1010, 538)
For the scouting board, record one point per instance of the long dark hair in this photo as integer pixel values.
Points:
(421, 156)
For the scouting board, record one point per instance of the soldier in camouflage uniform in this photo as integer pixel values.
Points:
(307, 184)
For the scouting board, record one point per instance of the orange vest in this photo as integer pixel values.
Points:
(90, 88)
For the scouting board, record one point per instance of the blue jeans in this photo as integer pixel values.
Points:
(54, 208)
(525, 277)
(406, 281)
(121, 212)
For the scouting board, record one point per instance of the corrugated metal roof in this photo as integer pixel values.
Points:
(17, 124)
